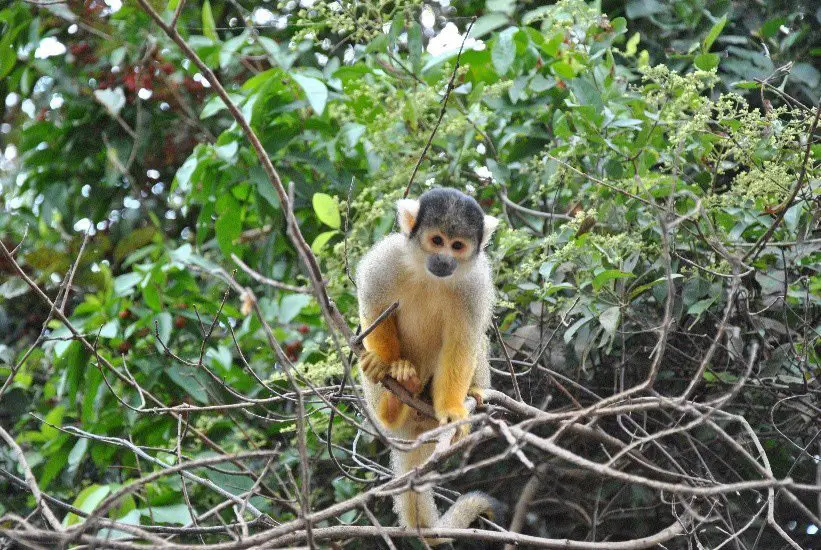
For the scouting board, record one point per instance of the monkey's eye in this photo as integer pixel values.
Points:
(458, 245)
(437, 240)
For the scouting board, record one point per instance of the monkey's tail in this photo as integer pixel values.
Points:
(417, 509)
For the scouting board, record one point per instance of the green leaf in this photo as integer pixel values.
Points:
(229, 223)
(209, 28)
(504, 51)
(264, 186)
(706, 61)
(321, 240)
(644, 288)
(109, 330)
(184, 172)
(746, 84)
(13, 288)
(54, 418)
(53, 468)
(806, 73)
(175, 513)
(619, 25)
(124, 283)
(77, 453)
(291, 305)
(193, 381)
(151, 295)
(87, 501)
(216, 104)
(587, 93)
(315, 90)
(644, 8)
(327, 210)
(227, 152)
(8, 54)
(488, 23)
(725, 377)
(609, 319)
(415, 47)
(220, 358)
(563, 69)
(700, 307)
(134, 240)
(713, 34)
(552, 46)
(397, 25)
(537, 14)
(503, 6)
(163, 326)
(172, 5)
(632, 45)
(771, 26)
(609, 275)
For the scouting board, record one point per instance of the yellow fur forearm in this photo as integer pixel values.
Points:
(383, 340)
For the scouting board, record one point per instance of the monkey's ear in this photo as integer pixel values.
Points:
(406, 211)
(490, 226)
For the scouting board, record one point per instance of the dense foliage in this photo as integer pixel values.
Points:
(653, 165)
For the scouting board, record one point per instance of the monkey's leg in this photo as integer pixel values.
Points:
(391, 411)
(481, 376)
(452, 380)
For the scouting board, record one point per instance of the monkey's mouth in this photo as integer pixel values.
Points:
(441, 266)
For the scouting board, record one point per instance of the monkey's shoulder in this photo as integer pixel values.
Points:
(381, 266)
(476, 291)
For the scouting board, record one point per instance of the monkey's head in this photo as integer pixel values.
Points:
(446, 229)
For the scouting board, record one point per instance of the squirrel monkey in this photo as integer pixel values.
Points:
(435, 342)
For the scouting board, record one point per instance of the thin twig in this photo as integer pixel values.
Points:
(442, 109)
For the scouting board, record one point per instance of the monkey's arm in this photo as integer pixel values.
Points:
(381, 345)
(377, 276)
(381, 357)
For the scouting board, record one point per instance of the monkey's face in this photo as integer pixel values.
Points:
(444, 253)
(446, 230)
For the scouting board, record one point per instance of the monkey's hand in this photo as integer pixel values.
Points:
(372, 366)
(405, 373)
(454, 413)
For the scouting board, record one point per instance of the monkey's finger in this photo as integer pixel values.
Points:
(377, 373)
(406, 371)
(397, 372)
(372, 367)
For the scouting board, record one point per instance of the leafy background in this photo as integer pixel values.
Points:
(581, 126)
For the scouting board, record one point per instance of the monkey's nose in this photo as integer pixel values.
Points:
(441, 265)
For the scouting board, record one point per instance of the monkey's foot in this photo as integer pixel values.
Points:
(390, 411)
(454, 414)
(405, 373)
(478, 394)
(372, 366)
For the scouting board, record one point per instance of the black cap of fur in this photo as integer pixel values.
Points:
(451, 211)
